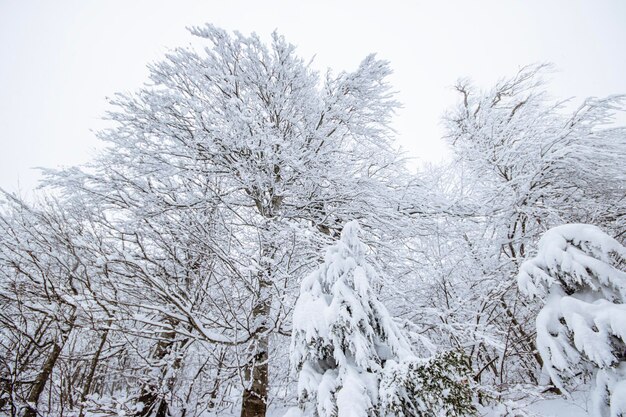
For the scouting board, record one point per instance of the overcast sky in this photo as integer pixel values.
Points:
(60, 59)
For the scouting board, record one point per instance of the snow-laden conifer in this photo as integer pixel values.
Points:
(580, 273)
(342, 334)
(353, 360)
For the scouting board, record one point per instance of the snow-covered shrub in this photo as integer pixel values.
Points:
(342, 334)
(438, 386)
(579, 272)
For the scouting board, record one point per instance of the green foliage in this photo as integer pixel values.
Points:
(427, 388)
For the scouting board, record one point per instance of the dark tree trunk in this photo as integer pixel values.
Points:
(46, 371)
(256, 371)
(254, 400)
(150, 392)
(92, 371)
(41, 381)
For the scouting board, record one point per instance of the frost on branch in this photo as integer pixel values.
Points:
(579, 271)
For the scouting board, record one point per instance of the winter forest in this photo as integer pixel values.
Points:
(251, 241)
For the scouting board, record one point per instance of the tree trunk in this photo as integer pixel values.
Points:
(256, 370)
(149, 393)
(41, 380)
(46, 371)
(254, 401)
(92, 371)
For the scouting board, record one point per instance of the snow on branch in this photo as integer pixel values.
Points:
(579, 272)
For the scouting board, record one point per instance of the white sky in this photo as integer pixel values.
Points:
(59, 59)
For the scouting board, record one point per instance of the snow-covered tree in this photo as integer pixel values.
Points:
(522, 162)
(580, 273)
(224, 176)
(160, 279)
(350, 356)
(49, 307)
(342, 334)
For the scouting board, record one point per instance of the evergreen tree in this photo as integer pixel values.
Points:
(579, 271)
(342, 334)
(351, 357)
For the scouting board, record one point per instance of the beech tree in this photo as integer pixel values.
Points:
(237, 163)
